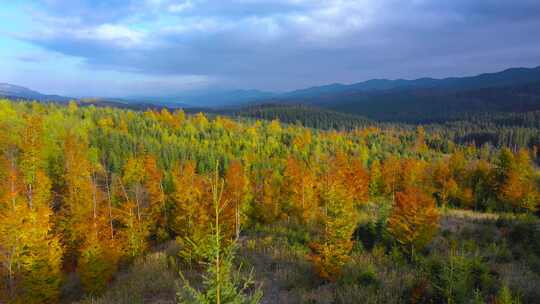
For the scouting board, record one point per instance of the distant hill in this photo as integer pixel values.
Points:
(434, 104)
(427, 99)
(211, 98)
(14, 91)
(17, 92)
(421, 100)
(507, 77)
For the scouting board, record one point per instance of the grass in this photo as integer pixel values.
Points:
(487, 251)
(149, 280)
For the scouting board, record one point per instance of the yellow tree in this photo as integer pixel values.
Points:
(390, 171)
(153, 183)
(192, 211)
(85, 219)
(420, 144)
(29, 250)
(414, 219)
(340, 218)
(413, 174)
(77, 199)
(517, 180)
(267, 196)
(376, 182)
(444, 183)
(235, 193)
(358, 181)
(133, 210)
(300, 186)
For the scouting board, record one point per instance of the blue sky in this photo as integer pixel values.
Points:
(163, 47)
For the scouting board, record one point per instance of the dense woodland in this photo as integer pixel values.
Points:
(105, 205)
(502, 129)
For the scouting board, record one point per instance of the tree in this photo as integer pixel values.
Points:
(376, 182)
(420, 144)
(357, 181)
(153, 182)
(192, 212)
(29, 250)
(390, 174)
(131, 213)
(98, 259)
(84, 218)
(78, 205)
(268, 196)
(235, 193)
(220, 284)
(340, 218)
(444, 183)
(413, 174)
(515, 176)
(301, 190)
(414, 219)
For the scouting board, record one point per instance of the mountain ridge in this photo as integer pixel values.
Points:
(512, 89)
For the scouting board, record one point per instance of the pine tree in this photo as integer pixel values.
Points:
(220, 284)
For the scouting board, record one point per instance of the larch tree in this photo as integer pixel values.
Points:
(300, 184)
(391, 169)
(331, 252)
(235, 192)
(28, 246)
(414, 219)
(192, 211)
(376, 182)
(154, 185)
(516, 180)
(85, 217)
(445, 186)
(133, 208)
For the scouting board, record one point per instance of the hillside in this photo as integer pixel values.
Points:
(427, 99)
(305, 115)
(18, 92)
(435, 105)
(508, 77)
(424, 100)
(108, 205)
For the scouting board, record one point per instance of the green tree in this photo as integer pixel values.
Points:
(221, 285)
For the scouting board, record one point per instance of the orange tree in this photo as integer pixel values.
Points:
(414, 219)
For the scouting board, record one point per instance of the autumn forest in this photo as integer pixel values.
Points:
(108, 205)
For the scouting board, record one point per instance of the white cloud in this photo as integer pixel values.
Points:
(285, 43)
(180, 7)
(121, 35)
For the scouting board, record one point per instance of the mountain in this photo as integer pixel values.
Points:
(507, 77)
(426, 99)
(434, 105)
(211, 98)
(418, 100)
(18, 92)
(13, 91)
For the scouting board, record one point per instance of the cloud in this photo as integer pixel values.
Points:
(180, 7)
(285, 44)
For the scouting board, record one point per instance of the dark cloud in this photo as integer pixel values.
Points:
(289, 44)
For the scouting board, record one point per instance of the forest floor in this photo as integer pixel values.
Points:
(472, 251)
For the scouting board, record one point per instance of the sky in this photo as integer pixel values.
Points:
(120, 48)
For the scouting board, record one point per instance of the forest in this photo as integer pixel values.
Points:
(108, 205)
